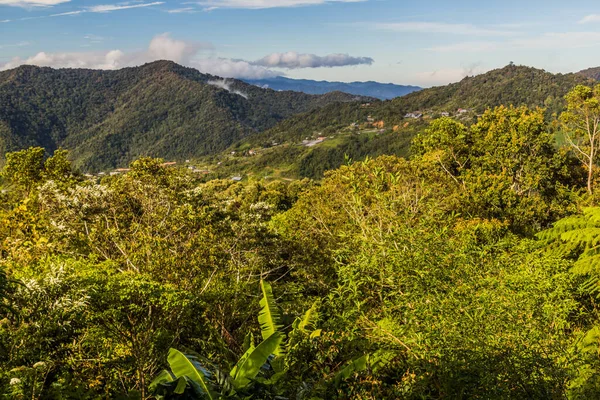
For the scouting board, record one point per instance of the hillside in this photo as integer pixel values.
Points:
(382, 91)
(365, 129)
(516, 85)
(108, 118)
(592, 73)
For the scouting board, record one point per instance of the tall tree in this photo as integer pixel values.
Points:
(582, 123)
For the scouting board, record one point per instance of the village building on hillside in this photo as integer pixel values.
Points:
(414, 115)
(445, 114)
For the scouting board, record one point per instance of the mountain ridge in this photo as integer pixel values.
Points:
(161, 109)
(382, 91)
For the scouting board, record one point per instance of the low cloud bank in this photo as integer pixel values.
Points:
(164, 47)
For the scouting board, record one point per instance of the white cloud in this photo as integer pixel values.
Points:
(32, 3)
(115, 7)
(66, 13)
(182, 10)
(260, 4)
(95, 60)
(223, 84)
(4, 21)
(590, 18)
(293, 60)
(439, 27)
(162, 47)
(229, 68)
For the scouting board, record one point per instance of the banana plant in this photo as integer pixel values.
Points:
(189, 377)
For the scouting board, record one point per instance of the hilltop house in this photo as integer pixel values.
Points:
(414, 115)
(462, 111)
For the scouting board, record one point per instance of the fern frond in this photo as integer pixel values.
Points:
(308, 320)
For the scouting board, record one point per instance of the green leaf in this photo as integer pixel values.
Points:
(309, 319)
(248, 341)
(181, 385)
(248, 367)
(357, 365)
(374, 362)
(164, 377)
(183, 366)
(269, 316)
(242, 359)
(315, 333)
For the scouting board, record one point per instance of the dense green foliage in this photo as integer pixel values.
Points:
(466, 271)
(109, 118)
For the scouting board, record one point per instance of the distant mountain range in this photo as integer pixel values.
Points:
(382, 91)
(161, 109)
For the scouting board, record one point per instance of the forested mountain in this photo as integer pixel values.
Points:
(592, 73)
(382, 91)
(108, 118)
(361, 129)
(516, 85)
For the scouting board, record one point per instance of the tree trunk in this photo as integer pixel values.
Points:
(590, 176)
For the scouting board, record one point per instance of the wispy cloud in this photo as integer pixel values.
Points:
(185, 10)
(549, 40)
(440, 27)
(19, 44)
(465, 47)
(590, 18)
(443, 76)
(66, 13)
(260, 4)
(225, 85)
(94, 9)
(102, 8)
(32, 3)
(293, 60)
(554, 40)
(93, 39)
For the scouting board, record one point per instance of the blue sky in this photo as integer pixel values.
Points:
(423, 43)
